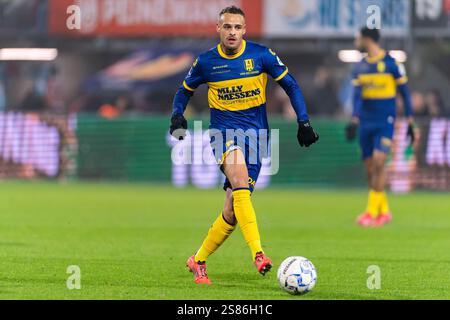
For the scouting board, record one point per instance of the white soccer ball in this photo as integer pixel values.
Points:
(297, 275)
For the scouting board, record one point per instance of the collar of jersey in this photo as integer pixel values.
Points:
(377, 58)
(234, 56)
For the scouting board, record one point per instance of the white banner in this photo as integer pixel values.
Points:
(334, 18)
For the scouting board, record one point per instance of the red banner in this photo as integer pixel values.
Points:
(136, 18)
(447, 6)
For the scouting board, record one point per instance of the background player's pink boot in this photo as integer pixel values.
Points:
(382, 219)
(365, 220)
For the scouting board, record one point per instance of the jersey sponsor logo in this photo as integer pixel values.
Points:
(251, 73)
(236, 92)
(249, 64)
(378, 86)
(372, 85)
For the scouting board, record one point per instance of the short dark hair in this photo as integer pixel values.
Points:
(373, 34)
(232, 10)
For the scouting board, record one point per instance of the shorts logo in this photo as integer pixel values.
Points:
(386, 142)
(249, 64)
(251, 182)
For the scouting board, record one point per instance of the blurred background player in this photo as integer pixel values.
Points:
(376, 81)
(236, 74)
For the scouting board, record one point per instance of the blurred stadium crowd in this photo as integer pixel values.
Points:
(66, 65)
(93, 73)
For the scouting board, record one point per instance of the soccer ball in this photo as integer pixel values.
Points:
(297, 275)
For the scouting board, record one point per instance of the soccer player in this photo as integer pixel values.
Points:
(377, 79)
(236, 73)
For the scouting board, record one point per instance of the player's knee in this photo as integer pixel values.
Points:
(377, 167)
(368, 164)
(239, 182)
(238, 179)
(236, 172)
(378, 163)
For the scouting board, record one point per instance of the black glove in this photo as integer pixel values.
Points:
(178, 124)
(350, 131)
(306, 135)
(411, 134)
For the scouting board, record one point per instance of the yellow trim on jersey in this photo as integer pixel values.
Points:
(378, 86)
(377, 58)
(402, 80)
(187, 87)
(282, 75)
(224, 55)
(238, 94)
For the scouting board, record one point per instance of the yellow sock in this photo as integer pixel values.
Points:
(374, 203)
(246, 217)
(217, 235)
(384, 207)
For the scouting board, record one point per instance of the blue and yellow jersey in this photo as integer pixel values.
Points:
(377, 80)
(236, 84)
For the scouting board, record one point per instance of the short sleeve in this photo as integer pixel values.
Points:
(399, 72)
(195, 77)
(273, 65)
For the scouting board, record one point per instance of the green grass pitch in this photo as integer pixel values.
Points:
(132, 241)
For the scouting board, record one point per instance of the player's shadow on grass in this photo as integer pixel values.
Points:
(13, 244)
(233, 276)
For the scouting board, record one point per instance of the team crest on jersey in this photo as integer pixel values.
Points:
(381, 67)
(249, 64)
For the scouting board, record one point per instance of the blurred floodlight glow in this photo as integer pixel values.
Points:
(399, 55)
(28, 54)
(355, 56)
(350, 56)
